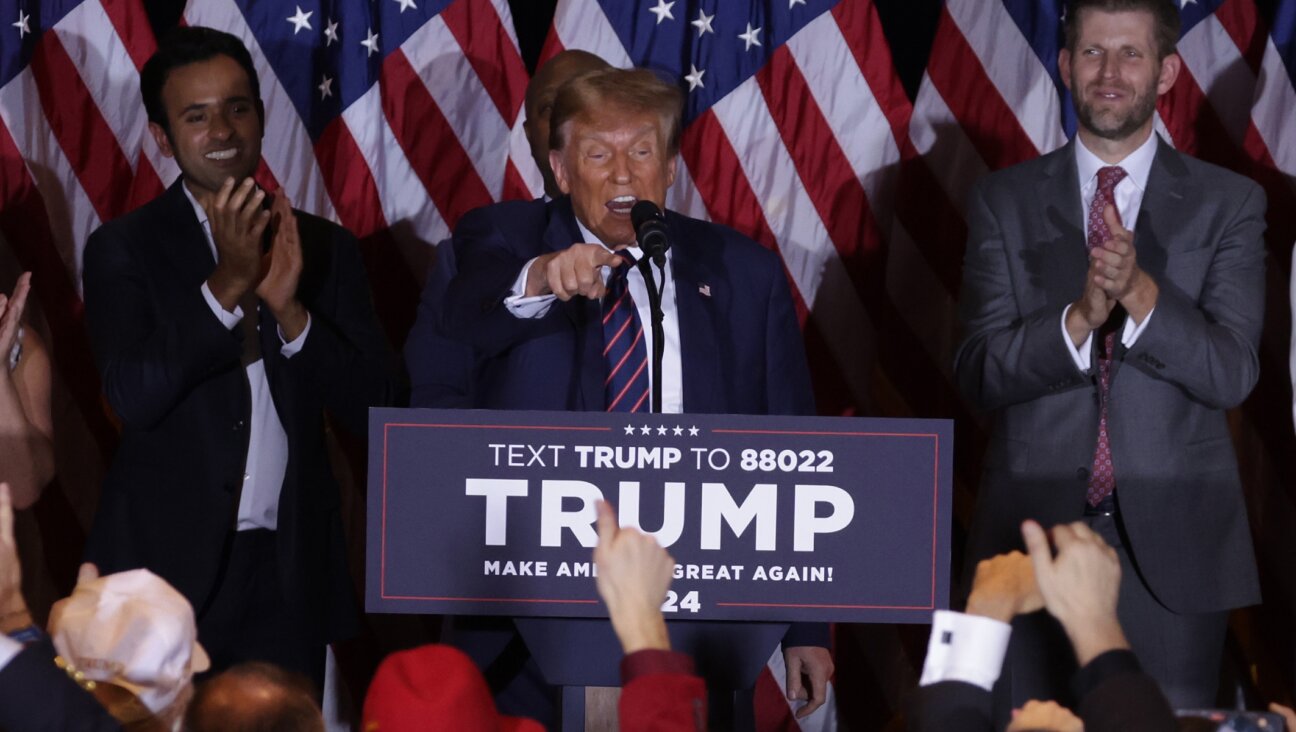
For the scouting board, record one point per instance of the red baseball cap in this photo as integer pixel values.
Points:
(434, 687)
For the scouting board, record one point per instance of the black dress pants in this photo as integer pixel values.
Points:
(247, 618)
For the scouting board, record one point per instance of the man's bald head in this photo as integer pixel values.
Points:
(540, 94)
(254, 697)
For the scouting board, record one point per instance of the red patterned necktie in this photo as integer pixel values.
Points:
(1102, 479)
(626, 386)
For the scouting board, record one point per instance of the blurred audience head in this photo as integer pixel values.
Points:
(434, 687)
(540, 93)
(254, 697)
(131, 632)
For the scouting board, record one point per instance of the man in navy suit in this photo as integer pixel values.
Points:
(530, 293)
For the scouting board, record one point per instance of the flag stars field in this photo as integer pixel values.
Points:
(663, 11)
(301, 20)
(370, 42)
(23, 25)
(694, 77)
(703, 23)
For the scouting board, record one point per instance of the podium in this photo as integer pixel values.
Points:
(770, 520)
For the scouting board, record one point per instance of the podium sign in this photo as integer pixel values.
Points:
(767, 518)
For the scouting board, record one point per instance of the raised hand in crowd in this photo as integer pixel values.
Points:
(1079, 586)
(13, 606)
(634, 572)
(1289, 716)
(26, 428)
(1044, 716)
(1004, 586)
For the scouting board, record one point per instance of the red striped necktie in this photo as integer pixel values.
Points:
(626, 386)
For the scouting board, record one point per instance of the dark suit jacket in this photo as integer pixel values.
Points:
(1114, 695)
(442, 370)
(171, 372)
(740, 347)
(37, 695)
(1198, 235)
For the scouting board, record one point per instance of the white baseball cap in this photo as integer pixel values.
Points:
(134, 630)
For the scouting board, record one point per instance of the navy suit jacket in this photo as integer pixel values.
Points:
(171, 373)
(740, 347)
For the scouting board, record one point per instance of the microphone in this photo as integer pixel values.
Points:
(650, 231)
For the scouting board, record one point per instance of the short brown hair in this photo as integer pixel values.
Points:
(1164, 14)
(627, 89)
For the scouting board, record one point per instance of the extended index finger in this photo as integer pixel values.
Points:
(603, 257)
(1037, 545)
(607, 522)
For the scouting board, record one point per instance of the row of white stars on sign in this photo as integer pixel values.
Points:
(300, 21)
(662, 430)
(751, 37)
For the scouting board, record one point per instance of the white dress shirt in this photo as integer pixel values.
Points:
(964, 647)
(1128, 197)
(8, 649)
(267, 456)
(672, 366)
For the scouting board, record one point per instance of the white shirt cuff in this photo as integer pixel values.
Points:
(227, 319)
(967, 648)
(521, 306)
(1132, 331)
(290, 348)
(1080, 354)
(8, 649)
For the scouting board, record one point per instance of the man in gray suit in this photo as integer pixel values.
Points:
(1112, 300)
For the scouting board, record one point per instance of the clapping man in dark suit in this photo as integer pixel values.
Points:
(1112, 300)
(224, 324)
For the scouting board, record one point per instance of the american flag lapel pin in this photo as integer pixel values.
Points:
(704, 289)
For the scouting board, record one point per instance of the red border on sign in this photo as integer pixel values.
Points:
(552, 601)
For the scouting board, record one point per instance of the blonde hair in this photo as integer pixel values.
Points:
(625, 89)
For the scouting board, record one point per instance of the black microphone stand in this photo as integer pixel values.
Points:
(658, 335)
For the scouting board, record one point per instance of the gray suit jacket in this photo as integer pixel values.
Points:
(1199, 235)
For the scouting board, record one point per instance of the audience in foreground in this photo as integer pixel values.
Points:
(34, 692)
(1078, 587)
(254, 696)
(135, 636)
(436, 687)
